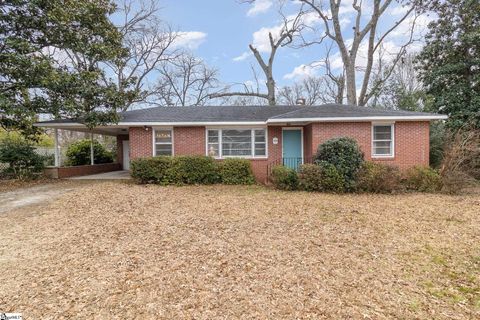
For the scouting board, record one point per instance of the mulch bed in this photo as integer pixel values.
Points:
(118, 250)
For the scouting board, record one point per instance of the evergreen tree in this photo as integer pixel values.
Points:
(449, 64)
(51, 57)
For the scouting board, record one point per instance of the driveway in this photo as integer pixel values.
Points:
(40, 194)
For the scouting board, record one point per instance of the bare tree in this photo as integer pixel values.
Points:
(365, 28)
(150, 42)
(315, 91)
(291, 27)
(185, 81)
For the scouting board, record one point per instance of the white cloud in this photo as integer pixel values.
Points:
(190, 39)
(259, 6)
(404, 29)
(242, 57)
(261, 40)
(301, 72)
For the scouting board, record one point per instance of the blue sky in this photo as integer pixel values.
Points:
(229, 30)
(219, 31)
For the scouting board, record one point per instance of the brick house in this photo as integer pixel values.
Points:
(266, 135)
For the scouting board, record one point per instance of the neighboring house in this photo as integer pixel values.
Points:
(267, 135)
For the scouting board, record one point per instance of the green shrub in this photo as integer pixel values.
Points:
(78, 153)
(378, 178)
(345, 154)
(332, 179)
(23, 162)
(193, 170)
(151, 170)
(236, 171)
(284, 178)
(320, 177)
(310, 177)
(423, 179)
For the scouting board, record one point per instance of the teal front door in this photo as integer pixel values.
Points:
(292, 148)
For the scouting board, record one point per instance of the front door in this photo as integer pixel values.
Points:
(126, 154)
(292, 148)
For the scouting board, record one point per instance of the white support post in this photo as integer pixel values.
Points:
(91, 150)
(57, 153)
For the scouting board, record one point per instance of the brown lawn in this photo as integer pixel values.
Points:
(116, 250)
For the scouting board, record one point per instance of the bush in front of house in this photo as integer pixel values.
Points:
(378, 178)
(345, 155)
(236, 171)
(23, 162)
(332, 179)
(152, 170)
(284, 178)
(193, 170)
(310, 177)
(78, 153)
(322, 177)
(423, 179)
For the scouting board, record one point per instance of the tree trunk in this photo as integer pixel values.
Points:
(350, 83)
(271, 91)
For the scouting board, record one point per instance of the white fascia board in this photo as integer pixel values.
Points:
(359, 119)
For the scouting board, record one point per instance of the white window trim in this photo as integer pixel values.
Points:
(220, 149)
(392, 151)
(154, 145)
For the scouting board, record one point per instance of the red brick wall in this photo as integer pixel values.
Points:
(411, 140)
(141, 142)
(67, 172)
(189, 141)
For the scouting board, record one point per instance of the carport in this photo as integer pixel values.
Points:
(121, 163)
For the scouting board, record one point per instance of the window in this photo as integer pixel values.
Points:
(163, 142)
(382, 140)
(213, 146)
(236, 143)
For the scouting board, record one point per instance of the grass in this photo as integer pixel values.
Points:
(116, 249)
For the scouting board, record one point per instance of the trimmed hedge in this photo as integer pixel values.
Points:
(284, 178)
(345, 154)
(193, 170)
(152, 170)
(378, 178)
(180, 170)
(236, 171)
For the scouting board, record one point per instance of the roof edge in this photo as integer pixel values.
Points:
(374, 118)
(269, 121)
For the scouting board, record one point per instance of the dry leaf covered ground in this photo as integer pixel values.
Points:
(116, 250)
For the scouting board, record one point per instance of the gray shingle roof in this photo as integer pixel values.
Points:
(253, 114)
(341, 111)
(205, 114)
